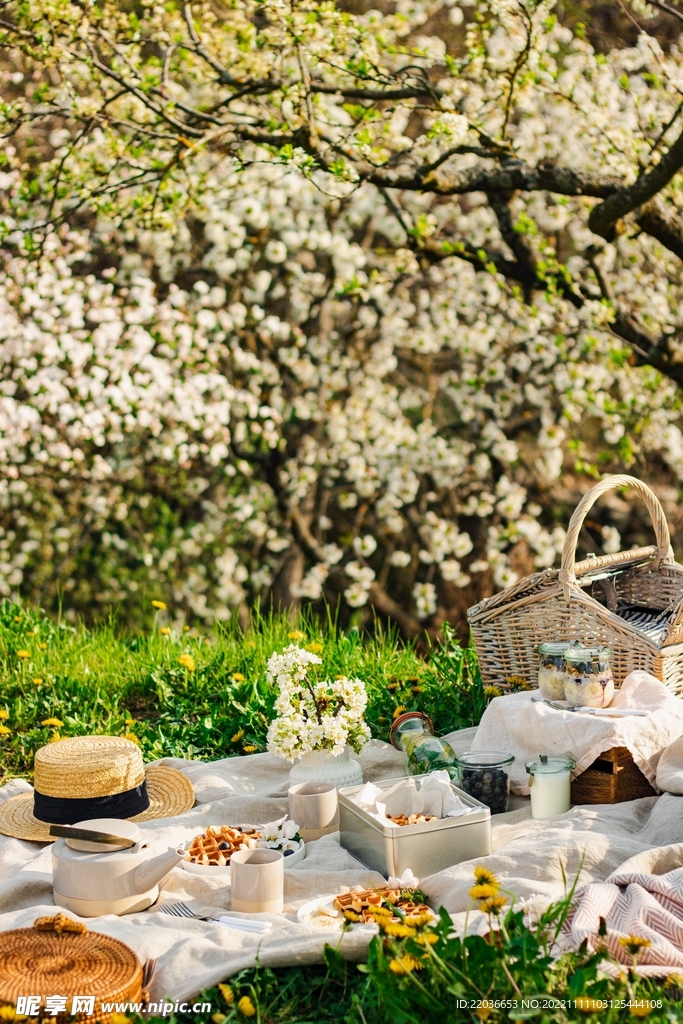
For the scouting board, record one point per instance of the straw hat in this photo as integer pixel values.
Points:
(90, 777)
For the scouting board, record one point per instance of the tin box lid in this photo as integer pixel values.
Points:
(549, 764)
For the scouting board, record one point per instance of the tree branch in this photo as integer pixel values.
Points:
(381, 602)
(605, 215)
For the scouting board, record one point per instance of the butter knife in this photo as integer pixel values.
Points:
(90, 836)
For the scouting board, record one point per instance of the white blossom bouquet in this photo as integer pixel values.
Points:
(312, 715)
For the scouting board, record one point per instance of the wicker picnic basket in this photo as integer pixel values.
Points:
(632, 602)
(59, 956)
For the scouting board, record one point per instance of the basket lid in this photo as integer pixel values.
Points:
(59, 954)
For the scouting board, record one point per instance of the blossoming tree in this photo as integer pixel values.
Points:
(298, 303)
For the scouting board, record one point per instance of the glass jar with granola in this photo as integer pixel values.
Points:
(589, 682)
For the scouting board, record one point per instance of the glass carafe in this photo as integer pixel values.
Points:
(413, 733)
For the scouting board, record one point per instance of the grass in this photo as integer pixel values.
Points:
(201, 695)
(205, 695)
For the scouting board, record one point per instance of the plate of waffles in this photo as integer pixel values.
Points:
(210, 852)
(359, 909)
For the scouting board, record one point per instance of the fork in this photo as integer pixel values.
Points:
(238, 924)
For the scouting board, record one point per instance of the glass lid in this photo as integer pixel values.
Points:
(550, 764)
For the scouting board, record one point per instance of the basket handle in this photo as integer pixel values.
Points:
(664, 552)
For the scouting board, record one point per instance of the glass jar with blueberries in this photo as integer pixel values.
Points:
(484, 775)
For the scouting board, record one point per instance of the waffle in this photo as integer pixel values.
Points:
(411, 819)
(215, 847)
(363, 905)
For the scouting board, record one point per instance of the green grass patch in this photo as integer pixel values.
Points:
(185, 693)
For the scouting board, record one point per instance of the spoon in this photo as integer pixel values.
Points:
(607, 712)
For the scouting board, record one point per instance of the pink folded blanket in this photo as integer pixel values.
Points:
(633, 904)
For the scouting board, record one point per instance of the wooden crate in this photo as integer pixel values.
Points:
(611, 779)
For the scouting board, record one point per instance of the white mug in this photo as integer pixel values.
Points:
(314, 806)
(257, 880)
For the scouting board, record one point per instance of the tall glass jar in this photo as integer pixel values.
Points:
(484, 775)
(551, 670)
(588, 681)
(413, 733)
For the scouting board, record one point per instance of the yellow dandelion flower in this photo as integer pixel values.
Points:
(164, 631)
(52, 723)
(237, 677)
(129, 721)
(187, 661)
(417, 689)
(132, 737)
(23, 654)
(296, 634)
(493, 905)
(427, 939)
(55, 738)
(238, 736)
(218, 1018)
(118, 1018)
(315, 647)
(161, 605)
(250, 749)
(483, 892)
(186, 629)
(37, 681)
(227, 993)
(250, 643)
(492, 691)
(4, 731)
(641, 1008)
(246, 1007)
(484, 876)
(405, 964)
(351, 915)
(399, 711)
(589, 1005)
(4, 715)
(30, 633)
(398, 930)
(17, 618)
(484, 1011)
(43, 647)
(380, 911)
(634, 944)
(7, 1013)
(391, 687)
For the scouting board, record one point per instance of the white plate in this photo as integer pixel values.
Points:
(216, 869)
(307, 915)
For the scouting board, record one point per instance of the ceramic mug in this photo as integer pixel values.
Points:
(257, 880)
(314, 806)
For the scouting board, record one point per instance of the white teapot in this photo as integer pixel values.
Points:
(92, 878)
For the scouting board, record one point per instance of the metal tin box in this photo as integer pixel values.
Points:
(424, 848)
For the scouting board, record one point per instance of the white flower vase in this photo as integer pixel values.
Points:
(321, 766)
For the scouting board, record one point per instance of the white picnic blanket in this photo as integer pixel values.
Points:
(192, 955)
(517, 726)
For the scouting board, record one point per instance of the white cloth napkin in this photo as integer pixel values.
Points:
(434, 796)
(514, 725)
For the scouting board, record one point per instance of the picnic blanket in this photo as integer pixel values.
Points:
(192, 955)
(514, 724)
(643, 898)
